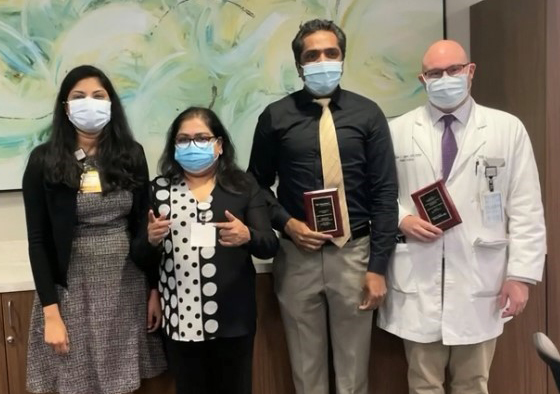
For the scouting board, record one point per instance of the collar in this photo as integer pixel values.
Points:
(461, 114)
(305, 98)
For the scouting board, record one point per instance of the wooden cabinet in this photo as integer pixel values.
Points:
(15, 315)
(3, 362)
(15, 312)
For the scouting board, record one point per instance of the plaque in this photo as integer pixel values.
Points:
(322, 210)
(434, 205)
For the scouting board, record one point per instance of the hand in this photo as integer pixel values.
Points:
(303, 237)
(417, 228)
(518, 295)
(233, 232)
(374, 291)
(56, 335)
(154, 311)
(158, 228)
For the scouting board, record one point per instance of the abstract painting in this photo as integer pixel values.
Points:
(165, 55)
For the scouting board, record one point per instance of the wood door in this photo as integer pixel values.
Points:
(3, 363)
(16, 309)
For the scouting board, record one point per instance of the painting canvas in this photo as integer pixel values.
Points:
(165, 55)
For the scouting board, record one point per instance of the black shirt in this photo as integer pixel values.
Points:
(286, 143)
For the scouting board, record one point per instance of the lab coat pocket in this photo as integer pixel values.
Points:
(400, 272)
(489, 266)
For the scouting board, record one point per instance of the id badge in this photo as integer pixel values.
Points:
(90, 182)
(492, 208)
(203, 235)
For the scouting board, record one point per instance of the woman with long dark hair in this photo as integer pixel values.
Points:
(211, 217)
(85, 194)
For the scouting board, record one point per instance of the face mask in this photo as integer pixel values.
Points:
(89, 115)
(322, 78)
(448, 92)
(195, 160)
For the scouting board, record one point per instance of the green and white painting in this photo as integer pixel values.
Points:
(165, 55)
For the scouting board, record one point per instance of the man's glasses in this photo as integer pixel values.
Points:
(437, 73)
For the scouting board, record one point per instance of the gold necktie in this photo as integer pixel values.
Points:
(332, 168)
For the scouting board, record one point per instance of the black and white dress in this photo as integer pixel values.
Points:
(209, 292)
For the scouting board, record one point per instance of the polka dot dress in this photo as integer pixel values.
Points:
(186, 281)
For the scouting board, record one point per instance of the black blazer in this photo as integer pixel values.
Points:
(50, 212)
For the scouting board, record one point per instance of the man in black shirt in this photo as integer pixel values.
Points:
(315, 272)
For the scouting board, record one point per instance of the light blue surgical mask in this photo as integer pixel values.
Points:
(322, 78)
(448, 92)
(195, 159)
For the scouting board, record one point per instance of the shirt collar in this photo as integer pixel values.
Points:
(461, 114)
(305, 98)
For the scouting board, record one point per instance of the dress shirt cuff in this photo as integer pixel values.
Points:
(280, 219)
(377, 265)
(524, 280)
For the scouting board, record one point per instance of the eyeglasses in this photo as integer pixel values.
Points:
(200, 141)
(453, 70)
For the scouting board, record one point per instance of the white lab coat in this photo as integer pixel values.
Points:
(478, 258)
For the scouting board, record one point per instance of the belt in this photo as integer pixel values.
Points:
(363, 230)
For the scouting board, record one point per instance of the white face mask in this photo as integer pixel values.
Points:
(448, 92)
(89, 115)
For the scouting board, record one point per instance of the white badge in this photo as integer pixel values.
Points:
(492, 209)
(203, 235)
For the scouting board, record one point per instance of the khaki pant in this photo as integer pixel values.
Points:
(468, 367)
(309, 285)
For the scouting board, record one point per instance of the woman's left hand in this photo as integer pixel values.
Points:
(154, 311)
(234, 232)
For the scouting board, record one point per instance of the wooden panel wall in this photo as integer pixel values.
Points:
(508, 43)
(552, 75)
(271, 364)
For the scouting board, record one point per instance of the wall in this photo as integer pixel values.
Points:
(458, 21)
(11, 203)
(12, 216)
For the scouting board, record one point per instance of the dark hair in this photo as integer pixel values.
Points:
(228, 175)
(313, 26)
(119, 157)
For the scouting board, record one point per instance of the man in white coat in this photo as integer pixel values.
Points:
(450, 292)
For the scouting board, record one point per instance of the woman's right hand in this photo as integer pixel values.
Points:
(56, 335)
(158, 228)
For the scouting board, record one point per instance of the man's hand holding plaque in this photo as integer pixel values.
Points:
(322, 210)
(435, 206)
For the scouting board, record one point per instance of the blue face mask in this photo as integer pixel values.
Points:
(322, 78)
(448, 92)
(195, 160)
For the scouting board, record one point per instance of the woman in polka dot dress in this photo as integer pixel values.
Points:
(208, 218)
